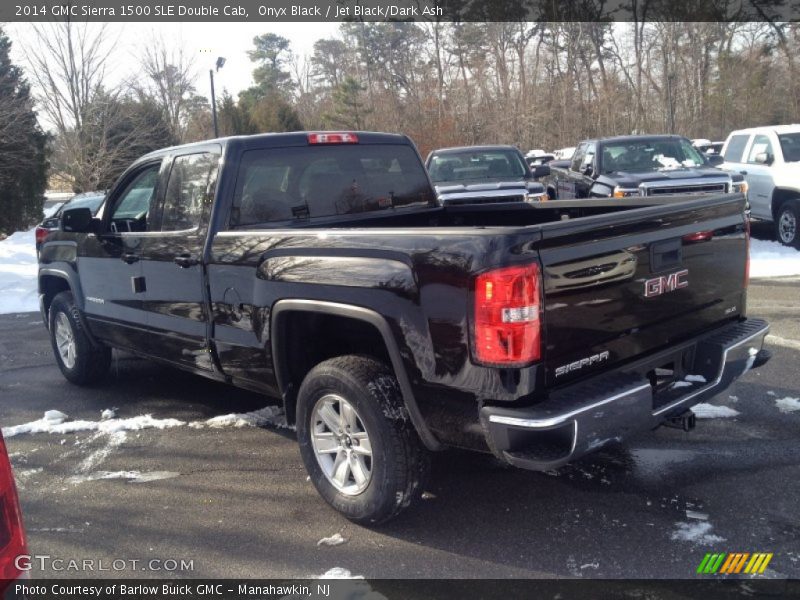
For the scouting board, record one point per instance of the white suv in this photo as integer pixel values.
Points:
(769, 158)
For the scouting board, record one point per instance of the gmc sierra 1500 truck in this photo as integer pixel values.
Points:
(639, 165)
(319, 269)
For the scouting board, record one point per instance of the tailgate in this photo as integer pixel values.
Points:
(617, 286)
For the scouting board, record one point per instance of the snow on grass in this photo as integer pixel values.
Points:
(788, 404)
(133, 476)
(697, 532)
(269, 415)
(18, 273)
(773, 259)
(710, 411)
(335, 540)
(55, 421)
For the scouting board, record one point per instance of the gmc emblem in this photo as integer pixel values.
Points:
(666, 283)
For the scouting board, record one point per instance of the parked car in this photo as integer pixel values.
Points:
(493, 175)
(318, 269)
(92, 200)
(12, 531)
(769, 159)
(639, 165)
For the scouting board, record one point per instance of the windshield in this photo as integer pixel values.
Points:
(790, 146)
(476, 164)
(649, 155)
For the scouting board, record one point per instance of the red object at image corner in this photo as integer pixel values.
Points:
(12, 531)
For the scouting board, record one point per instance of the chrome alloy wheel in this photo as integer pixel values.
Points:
(341, 444)
(787, 226)
(65, 340)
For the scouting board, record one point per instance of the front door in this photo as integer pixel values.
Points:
(109, 266)
(172, 261)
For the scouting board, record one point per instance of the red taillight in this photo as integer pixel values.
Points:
(339, 137)
(12, 534)
(507, 325)
(40, 234)
(747, 250)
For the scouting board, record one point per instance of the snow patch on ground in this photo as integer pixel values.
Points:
(339, 573)
(695, 378)
(698, 532)
(55, 421)
(134, 476)
(710, 411)
(269, 415)
(335, 540)
(788, 405)
(773, 259)
(114, 441)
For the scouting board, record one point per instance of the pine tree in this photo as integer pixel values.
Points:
(23, 149)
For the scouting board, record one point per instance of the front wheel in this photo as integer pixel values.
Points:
(80, 361)
(357, 441)
(786, 223)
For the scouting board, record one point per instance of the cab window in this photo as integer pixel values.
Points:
(191, 184)
(132, 209)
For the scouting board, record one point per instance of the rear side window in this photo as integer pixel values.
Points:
(285, 184)
(735, 149)
(191, 184)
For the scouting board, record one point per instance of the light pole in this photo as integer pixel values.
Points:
(219, 65)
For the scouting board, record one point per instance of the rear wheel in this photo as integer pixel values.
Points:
(80, 361)
(357, 442)
(786, 223)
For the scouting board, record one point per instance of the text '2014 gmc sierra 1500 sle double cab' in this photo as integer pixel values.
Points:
(319, 269)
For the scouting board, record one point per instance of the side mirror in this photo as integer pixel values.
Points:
(715, 160)
(587, 170)
(540, 171)
(77, 220)
(763, 158)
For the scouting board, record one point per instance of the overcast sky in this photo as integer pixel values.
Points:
(206, 41)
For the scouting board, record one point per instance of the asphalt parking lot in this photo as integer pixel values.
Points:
(236, 503)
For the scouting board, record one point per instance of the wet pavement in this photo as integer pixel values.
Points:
(236, 503)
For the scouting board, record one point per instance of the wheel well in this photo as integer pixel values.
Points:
(50, 285)
(306, 338)
(781, 195)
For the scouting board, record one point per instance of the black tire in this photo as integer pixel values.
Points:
(90, 362)
(399, 463)
(787, 223)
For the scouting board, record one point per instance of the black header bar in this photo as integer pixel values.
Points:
(275, 11)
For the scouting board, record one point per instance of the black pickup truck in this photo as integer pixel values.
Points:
(639, 165)
(318, 269)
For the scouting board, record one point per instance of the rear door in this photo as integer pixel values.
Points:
(759, 176)
(171, 257)
(617, 286)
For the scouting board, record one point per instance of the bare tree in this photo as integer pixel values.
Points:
(170, 76)
(68, 62)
